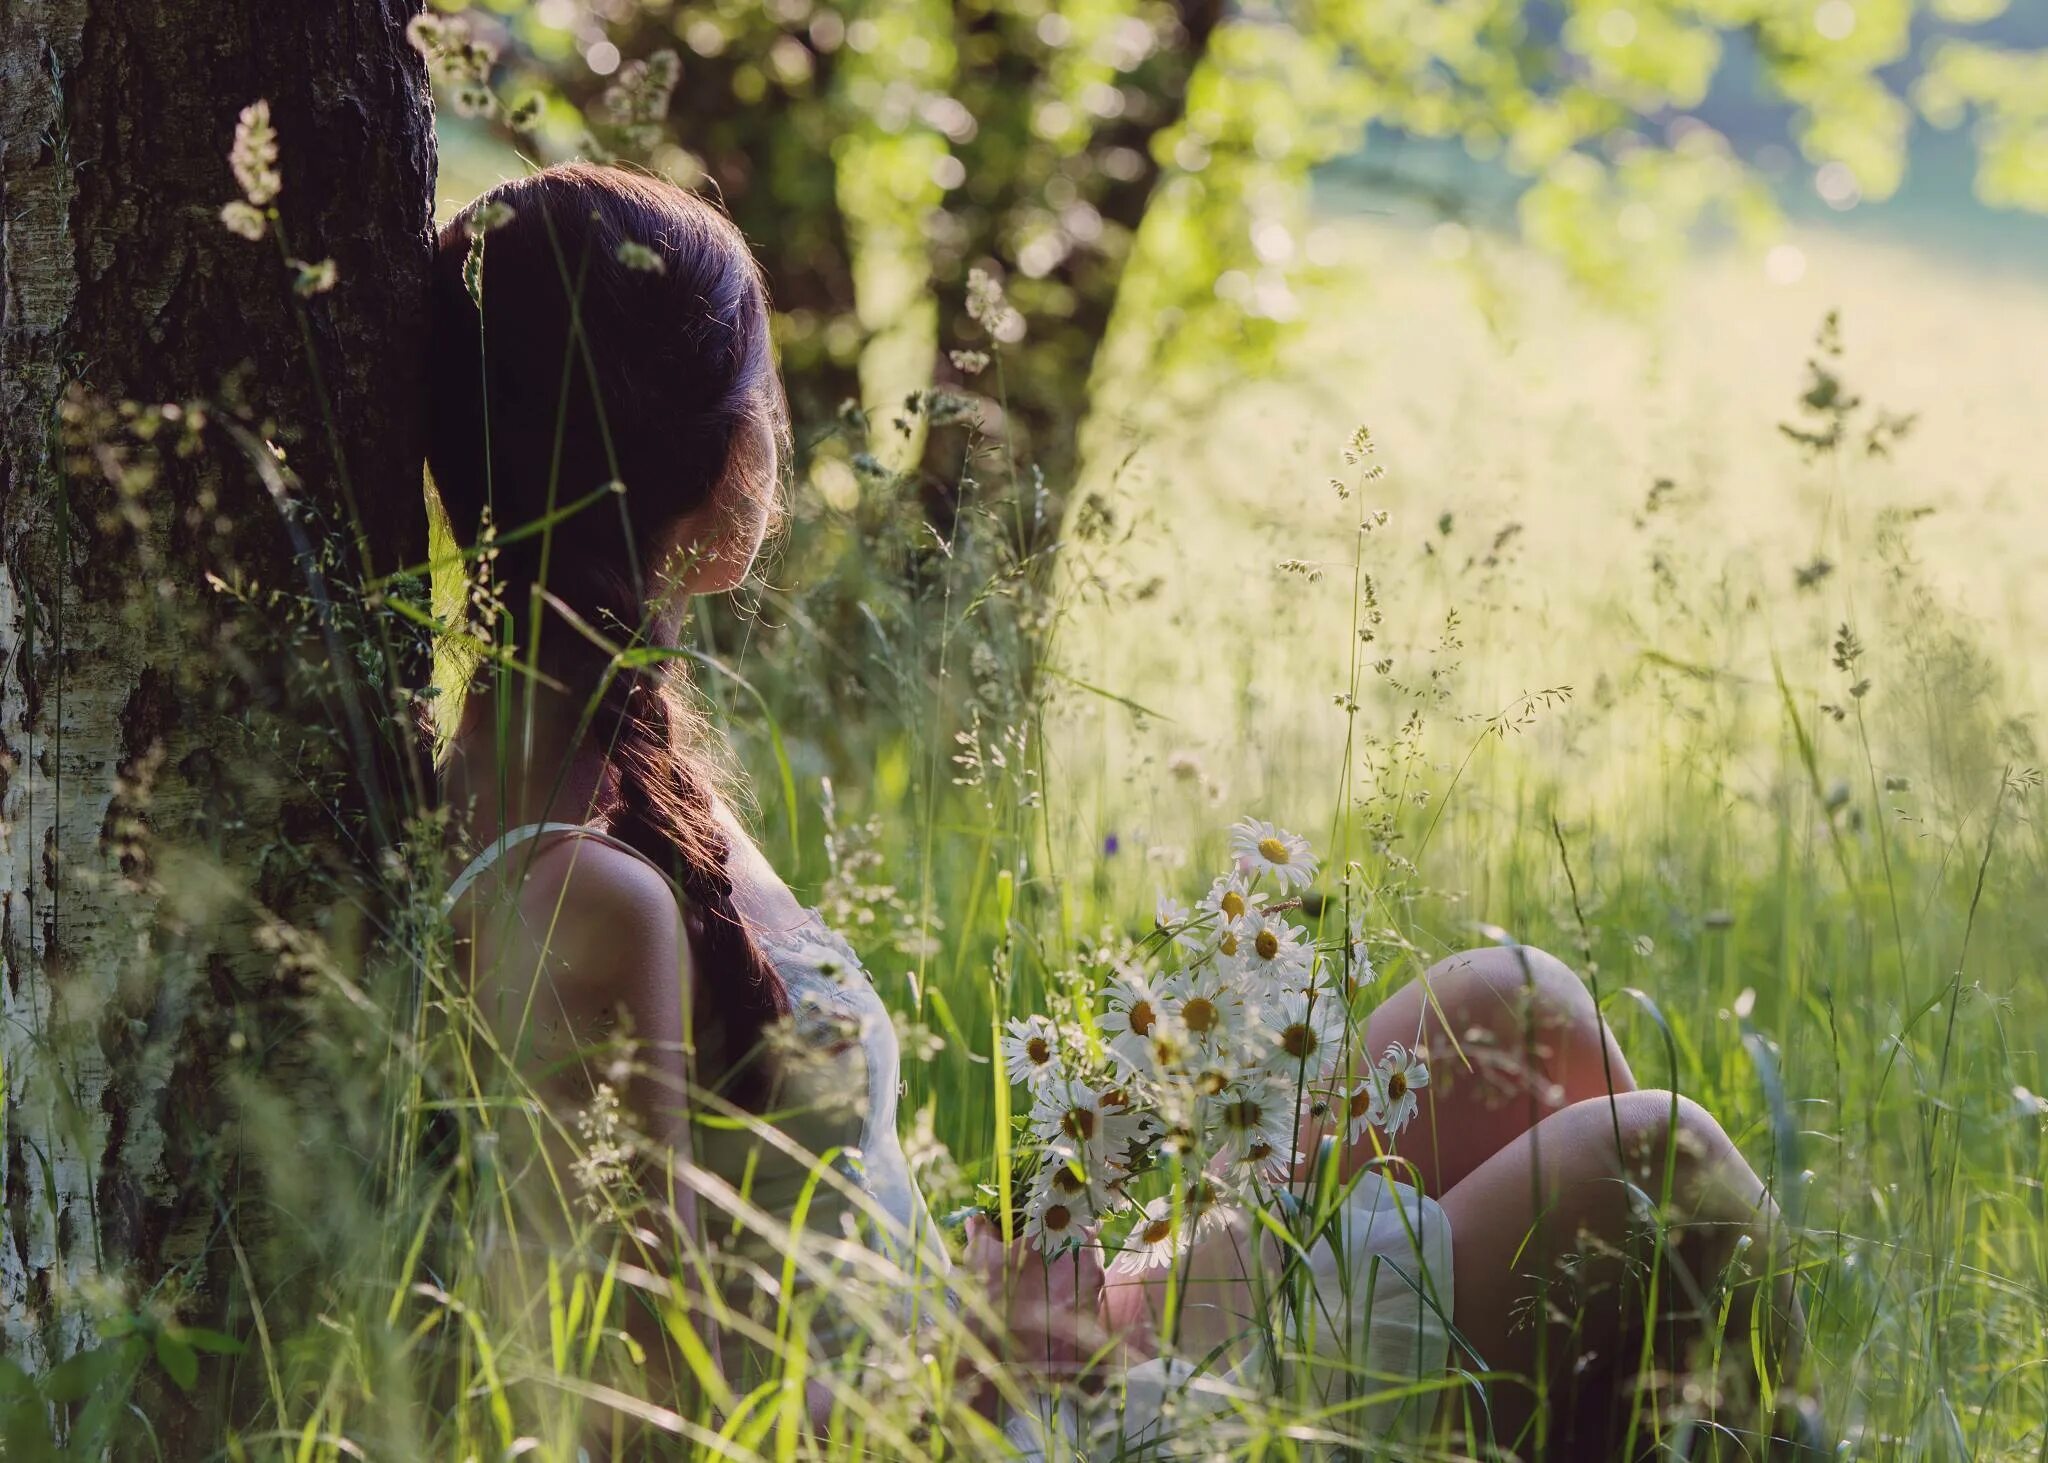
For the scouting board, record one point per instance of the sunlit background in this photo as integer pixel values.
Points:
(1681, 608)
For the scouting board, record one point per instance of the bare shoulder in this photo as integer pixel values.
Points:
(602, 914)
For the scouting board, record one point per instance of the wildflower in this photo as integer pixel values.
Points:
(607, 1149)
(1051, 1225)
(640, 258)
(969, 363)
(254, 155)
(1170, 916)
(1394, 1080)
(313, 279)
(1272, 952)
(1131, 1009)
(1071, 1117)
(1264, 849)
(428, 33)
(1068, 1186)
(1209, 1007)
(245, 219)
(1031, 1051)
(1362, 1111)
(1360, 973)
(1302, 1032)
(987, 307)
(1229, 899)
(1256, 1120)
(1153, 1240)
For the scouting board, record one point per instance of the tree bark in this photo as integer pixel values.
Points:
(154, 742)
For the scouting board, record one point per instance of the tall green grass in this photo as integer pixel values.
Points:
(1785, 815)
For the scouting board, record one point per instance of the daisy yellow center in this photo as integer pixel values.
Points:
(1078, 1124)
(1115, 1097)
(1273, 851)
(1243, 1114)
(1397, 1086)
(1267, 944)
(1299, 1040)
(1228, 944)
(1038, 1051)
(1066, 1180)
(1361, 1102)
(1232, 904)
(1058, 1216)
(1199, 1014)
(1142, 1017)
(1156, 1231)
(1211, 1082)
(1259, 1150)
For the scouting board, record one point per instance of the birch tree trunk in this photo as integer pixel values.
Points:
(171, 753)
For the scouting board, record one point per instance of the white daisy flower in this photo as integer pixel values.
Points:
(1362, 1111)
(1064, 1183)
(1071, 1118)
(1052, 1225)
(1264, 849)
(1394, 1079)
(1361, 972)
(1273, 952)
(1303, 1033)
(1169, 915)
(1131, 1010)
(1230, 898)
(1152, 1241)
(1256, 1123)
(1210, 1009)
(1031, 1051)
(1160, 1233)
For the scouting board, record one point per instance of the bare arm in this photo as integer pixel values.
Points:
(589, 989)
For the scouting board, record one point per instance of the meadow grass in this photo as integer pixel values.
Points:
(1726, 719)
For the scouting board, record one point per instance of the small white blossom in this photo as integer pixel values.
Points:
(1273, 954)
(1074, 1122)
(1031, 1051)
(1256, 1122)
(640, 258)
(1302, 1034)
(244, 218)
(1051, 1224)
(254, 155)
(1262, 848)
(1229, 899)
(1131, 1009)
(1394, 1081)
(1209, 1006)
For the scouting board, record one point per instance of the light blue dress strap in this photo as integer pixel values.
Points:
(513, 837)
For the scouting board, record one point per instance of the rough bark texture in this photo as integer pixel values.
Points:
(151, 748)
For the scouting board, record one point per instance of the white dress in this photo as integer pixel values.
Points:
(1372, 1337)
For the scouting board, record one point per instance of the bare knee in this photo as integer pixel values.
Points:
(1520, 1007)
(1679, 1154)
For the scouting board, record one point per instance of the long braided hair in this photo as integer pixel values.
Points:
(613, 329)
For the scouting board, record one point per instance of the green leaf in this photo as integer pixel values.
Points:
(201, 1339)
(179, 1361)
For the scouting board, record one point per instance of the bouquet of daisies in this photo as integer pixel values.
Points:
(1186, 1090)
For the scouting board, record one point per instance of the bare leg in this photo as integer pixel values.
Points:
(1568, 1285)
(1512, 1036)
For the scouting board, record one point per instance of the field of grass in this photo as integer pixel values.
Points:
(1741, 725)
(1610, 709)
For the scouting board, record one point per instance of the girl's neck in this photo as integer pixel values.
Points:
(515, 761)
